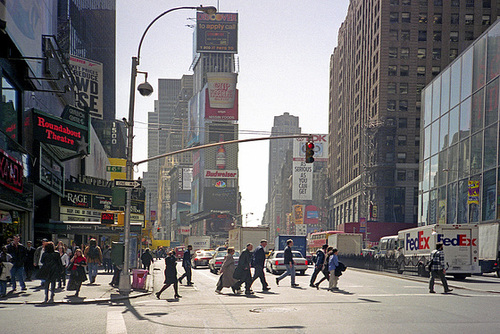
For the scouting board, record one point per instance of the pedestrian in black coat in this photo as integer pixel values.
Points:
(170, 275)
(51, 270)
(242, 272)
(259, 259)
(147, 259)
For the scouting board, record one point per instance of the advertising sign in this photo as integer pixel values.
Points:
(311, 215)
(221, 89)
(298, 214)
(320, 148)
(473, 197)
(220, 199)
(220, 174)
(217, 32)
(89, 83)
(302, 175)
(219, 113)
(184, 230)
(11, 172)
(186, 175)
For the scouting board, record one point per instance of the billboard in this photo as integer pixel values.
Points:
(185, 178)
(217, 32)
(312, 215)
(221, 89)
(298, 214)
(320, 148)
(89, 83)
(302, 175)
(221, 114)
(223, 199)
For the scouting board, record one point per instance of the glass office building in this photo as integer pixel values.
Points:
(459, 159)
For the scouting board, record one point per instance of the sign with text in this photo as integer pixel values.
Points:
(89, 82)
(473, 197)
(302, 175)
(221, 114)
(298, 214)
(320, 148)
(217, 32)
(221, 89)
(11, 172)
(128, 183)
(220, 174)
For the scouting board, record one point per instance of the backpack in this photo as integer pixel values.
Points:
(94, 252)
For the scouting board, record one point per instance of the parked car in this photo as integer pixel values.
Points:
(215, 262)
(276, 262)
(201, 258)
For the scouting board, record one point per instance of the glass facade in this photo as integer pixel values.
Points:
(459, 163)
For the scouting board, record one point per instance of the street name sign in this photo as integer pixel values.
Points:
(114, 169)
(128, 183)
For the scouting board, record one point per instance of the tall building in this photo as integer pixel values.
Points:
(387, 51)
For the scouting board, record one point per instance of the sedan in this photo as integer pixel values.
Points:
(215, 262)
(276, 262)
(201, 259)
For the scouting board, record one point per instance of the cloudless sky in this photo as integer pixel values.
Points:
(284, 50)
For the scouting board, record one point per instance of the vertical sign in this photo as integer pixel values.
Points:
(473, 197)
(298, 214)
(302, 175)
(89, 82)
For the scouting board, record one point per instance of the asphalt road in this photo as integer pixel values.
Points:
(367, 303)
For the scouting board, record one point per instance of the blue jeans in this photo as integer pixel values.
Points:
(92, 271)
(17, 272)
(290, 270)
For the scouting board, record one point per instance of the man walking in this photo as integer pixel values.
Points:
(289, 264)
(259, 258)
(242, 272)
(186, 264)
(18, 253)
(438, 268)
(318, 267)
(93, 254)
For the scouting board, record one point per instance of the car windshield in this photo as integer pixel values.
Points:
(205, 254)
(221, 254)
(294, 254)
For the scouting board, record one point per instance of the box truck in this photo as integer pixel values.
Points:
(347, 243)
(198, 242)
(241, 236)
(489, 250)
(461, 251)
(299, 243)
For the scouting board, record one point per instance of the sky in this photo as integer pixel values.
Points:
(284, 50)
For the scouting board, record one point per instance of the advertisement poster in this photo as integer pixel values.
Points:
(221, 89)
(217, 32)
(89, 83)
(473, 197)
(320, 148)
(298, 214)
(302, 174)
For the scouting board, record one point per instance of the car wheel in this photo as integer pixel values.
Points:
(460, 277)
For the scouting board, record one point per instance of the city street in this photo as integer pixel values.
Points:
(367, 302)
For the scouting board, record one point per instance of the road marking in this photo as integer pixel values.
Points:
(115, 323)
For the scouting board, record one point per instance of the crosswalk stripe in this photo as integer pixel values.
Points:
(115, 323)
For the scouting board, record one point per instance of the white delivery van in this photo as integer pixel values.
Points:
(461, 251)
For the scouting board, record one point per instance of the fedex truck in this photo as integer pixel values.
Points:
(461, 251)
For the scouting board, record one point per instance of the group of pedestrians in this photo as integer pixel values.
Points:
(327, 263)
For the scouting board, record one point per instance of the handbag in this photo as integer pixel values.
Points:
(238, 273)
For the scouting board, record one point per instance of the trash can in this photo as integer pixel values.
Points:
(139, 278)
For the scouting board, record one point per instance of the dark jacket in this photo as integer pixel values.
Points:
(245, 260)
(186, 259)
(288, 255)
(146, 258)
(18, 254)
(259, 257)
(170, 270)
(320, 258)
(52, 266)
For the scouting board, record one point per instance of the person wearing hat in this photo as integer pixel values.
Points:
(318, 266)
(38, 257)
(259, 258)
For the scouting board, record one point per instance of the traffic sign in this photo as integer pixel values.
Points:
(128, 183)
(114, 169)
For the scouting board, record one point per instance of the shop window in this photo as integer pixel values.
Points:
(436, 54)
(422, 35)
(393, 52)
(421, 53)
(438, 18)
(405, 53)
(455, 19)
(404, 70)
(422, 17)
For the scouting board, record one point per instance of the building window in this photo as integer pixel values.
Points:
(469, 35)
(436, 54)
(420, 71)
(403, 88)
(422, 35)
(392, 70)
(405, 53)
(394, 34)
(391, 88)
(389, 141)
(438, 18)
(453, 36)
(391, 105)
(486, 3)
(417, 123)
(401, 175)
(393, 52)
(421, 53)
(403, 105)
(407, 2)
(417, 140)
(453, 53)
(424, 3)
(436, 37)
(404, 70)
(394, 2)
(486, 20)
(394, 17)
(9, 106)
(436, 70)
(405, 17)
(419, 88)
(405, 35)
(422, 17)
(469, 3)
(401, 157)
(438, 3)
(469, 19)
(455, 19)
(402, 123)
(455, 3)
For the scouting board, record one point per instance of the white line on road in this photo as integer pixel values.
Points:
(115, 323)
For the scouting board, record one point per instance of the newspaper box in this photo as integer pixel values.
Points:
(139, 279)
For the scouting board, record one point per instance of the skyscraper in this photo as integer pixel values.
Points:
(387, 51)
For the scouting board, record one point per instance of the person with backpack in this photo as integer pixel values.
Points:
(333, 264)
(318, 266)
(437, 268)
(93, 255)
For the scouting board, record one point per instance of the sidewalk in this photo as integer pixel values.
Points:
(99, 291)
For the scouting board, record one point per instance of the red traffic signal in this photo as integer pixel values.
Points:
(309, 152)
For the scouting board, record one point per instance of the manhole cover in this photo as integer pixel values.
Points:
(273, 310)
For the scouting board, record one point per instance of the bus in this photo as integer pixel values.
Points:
(318, 239)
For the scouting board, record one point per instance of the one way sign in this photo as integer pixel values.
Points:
(128, 183)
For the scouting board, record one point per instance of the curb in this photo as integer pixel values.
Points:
(85, 301)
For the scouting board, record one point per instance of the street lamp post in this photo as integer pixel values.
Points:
(145, 89)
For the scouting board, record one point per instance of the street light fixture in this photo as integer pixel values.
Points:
(145, 89)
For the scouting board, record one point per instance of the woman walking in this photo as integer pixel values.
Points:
(226, 279)
(77, 275)
(170, 275)
(65, 262)
(325, 271)
(51, 270)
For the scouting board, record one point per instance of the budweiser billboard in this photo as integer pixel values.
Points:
(221, 174)
(221, 89)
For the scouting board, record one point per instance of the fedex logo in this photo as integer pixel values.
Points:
(420, 242)
(460, 240)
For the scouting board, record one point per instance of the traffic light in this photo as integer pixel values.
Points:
(309, 152)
